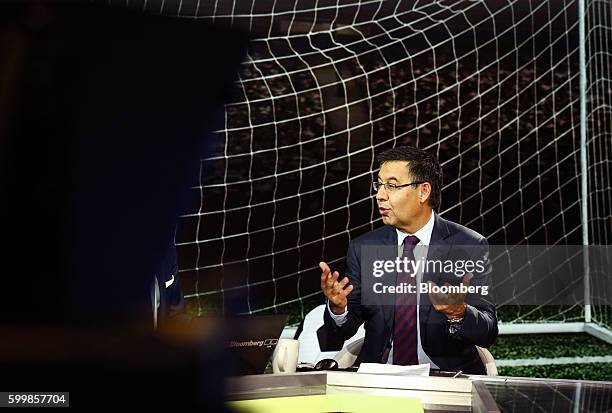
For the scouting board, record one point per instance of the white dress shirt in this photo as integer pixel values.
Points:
(424, 236)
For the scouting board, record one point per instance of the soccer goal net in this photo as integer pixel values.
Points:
(494, 88)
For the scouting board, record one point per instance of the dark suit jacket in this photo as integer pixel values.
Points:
(448, 352)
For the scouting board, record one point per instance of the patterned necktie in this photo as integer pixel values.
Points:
(405, 327)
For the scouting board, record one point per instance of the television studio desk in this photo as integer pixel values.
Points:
(470, 393)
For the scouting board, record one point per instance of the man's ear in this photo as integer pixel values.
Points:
(424, 192)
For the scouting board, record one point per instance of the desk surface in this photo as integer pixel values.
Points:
(475, 393)
(518, 394)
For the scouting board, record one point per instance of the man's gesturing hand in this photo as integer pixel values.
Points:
(334, 290)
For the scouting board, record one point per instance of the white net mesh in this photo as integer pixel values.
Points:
(598, 48)
(492, 87)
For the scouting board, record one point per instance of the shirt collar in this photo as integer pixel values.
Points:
(423, 234)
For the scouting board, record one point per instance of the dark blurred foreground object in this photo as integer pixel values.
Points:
(105, 112)
(179, 367)
(103, 117)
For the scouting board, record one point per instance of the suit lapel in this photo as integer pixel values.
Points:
(439, 236)
(390, 237)
(438, 250)
(389, 240)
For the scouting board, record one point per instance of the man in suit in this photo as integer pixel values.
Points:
(442, 329)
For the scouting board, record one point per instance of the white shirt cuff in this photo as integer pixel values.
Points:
(338, 319)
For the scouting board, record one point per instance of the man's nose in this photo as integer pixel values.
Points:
(382, 194)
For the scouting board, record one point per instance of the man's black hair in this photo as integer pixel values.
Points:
(422, 166)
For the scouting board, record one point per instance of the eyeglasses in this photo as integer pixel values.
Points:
(392, 187)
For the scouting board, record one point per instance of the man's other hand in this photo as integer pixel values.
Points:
(451, 304)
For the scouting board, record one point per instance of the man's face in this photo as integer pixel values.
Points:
(400, 208)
